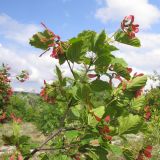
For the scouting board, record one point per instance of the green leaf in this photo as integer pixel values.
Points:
(88, 38)
(91, 155)
(116, 150)
(99, 85)
(99, 42)
(61, 59)
(120, 61)
(98, 112)
(37, 40)
(98, 153)
(102, 153)
(122, 71)
(59, 75)
(73, 134)
(75, 52)
(76, 110)
(103, 60)
(129, 124)
(24, 139)
(128, 154)
(112, 48)
(87, 138)
(9, 140)
(59, 157)
(137, 83)
(138, 103)
(44, 157)
(122, 37)
(83, 92)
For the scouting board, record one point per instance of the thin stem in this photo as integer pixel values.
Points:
(110, 38)
(111, 101)
(44, 52)
(53, 134)
(87, 69)
(71, 69)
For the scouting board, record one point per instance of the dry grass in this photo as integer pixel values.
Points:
(26, 129)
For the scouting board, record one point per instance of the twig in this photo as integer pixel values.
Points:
(44, 52)
(87, 69)
(53, 134)
(71, 69)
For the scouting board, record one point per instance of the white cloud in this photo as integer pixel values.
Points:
(39, 68)
(144, 59)
(147, 57)
(146, 13)
(13, 30)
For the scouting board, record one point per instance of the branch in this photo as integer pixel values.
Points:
(53, 134)
(87, 69)
(44, 52)
(62, 123)
(71, 69)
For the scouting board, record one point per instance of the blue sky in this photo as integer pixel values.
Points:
(66, 17)
(62, 15)
(20, 19)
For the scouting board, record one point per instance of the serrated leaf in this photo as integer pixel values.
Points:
(76, 111)
(40, 40)
(99, 42)
(128, 154)
(61, 59)
(24, 139)
(116, 150)
(99, 85)
(137, 83)
(103, 60)
(59, 75)
(129, 124)
(112, 48)
(138, 103)
(102, 153)
(98, 112)
(71, 134)
(92, 155)
(9, 140)
(122, 71)
(88, 37)
(98, 153)
(83, 92)
(60, 157)
(120, 61)
(123, 37)
(75, 52)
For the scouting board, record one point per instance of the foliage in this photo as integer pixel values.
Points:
(31, 108)
(85, 126)
(5, 88)
(87, 110)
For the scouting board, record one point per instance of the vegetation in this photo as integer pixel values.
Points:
(84, 116)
